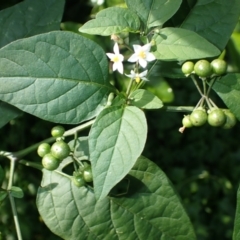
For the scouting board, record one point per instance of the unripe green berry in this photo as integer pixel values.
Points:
(198, 117)
(203, 68)
(188, 67)
(219, 66)
(216, 118)
(187, 122)
(57, 131)
(43, 149)
(60, 150)
(231, 120)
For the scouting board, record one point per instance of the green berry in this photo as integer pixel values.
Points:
(219, 66)
(43, 149)
(231, 120)
(57, 131)
(198, 117)
(78, 181)
(187, 122)
(216, 118)
(49, 162)
(60, 150)
(87, 174)
(188, 67)
(203, 68)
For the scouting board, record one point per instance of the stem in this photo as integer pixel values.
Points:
(196, 84)
(31, 164)
(210, 86)
(15, 216)
(129, 86)
(12, 159)
(178, 109)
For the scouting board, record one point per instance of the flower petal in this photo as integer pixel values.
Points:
(137, 48)
(142, 62)
(146, 48)
(133, 58)
(150, 57)
(116, 48)
(110, 55)
(143, 74)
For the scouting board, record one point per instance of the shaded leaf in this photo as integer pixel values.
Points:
(17, 192)
(3, 195)
(154, 13)
(228, 89)
(149, 210)
(112, 20)
(214, 20)
(8, 113)
(30, 18)
(58, 76)
(144, 99)
(181, 44)
(116, 140)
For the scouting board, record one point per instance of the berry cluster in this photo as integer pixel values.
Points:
(206, 72)
(53, 155)
(83, 175)
(216, 117)
(204, 68)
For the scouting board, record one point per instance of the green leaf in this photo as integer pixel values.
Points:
(8, 113)
(154, 13)
(17, 192)
(116, 140)
(228, 89)
(144, 99)
(213, 20)
(3, 195)
(23, 20)
(30, 18)
(181, 44)
(236, 231)
(149, 210)
(58, 76)
(112, 20)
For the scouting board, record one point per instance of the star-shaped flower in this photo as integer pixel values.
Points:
(138, 76)
(142, 54)
(116, 58)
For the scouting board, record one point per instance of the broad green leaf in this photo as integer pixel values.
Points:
(17, 192)
(8, 112)
(3, 195)
(112, 20)
(58, 76)
(116, 140)
(144, 99)
(236, 232)
(180, 44)
(214, 20)
(154, 13)
(150, 210)
(23, 20)
(30, 18)
(228, 89)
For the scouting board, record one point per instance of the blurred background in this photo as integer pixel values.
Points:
(203, 163)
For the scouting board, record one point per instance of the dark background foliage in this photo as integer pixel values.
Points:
(203, 163)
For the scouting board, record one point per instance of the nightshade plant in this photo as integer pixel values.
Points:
(113, 192)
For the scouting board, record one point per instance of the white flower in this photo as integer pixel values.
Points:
(116, 58)
(142, 55)
(138, 76)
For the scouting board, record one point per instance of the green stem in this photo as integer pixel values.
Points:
(178, 109)
(15, 216)
(129, 87)
(196, 84)
(12, 159)
(31, 164)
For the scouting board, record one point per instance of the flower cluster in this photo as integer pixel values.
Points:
(142, 55)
